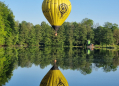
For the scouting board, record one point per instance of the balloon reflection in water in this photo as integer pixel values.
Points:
(54, 78)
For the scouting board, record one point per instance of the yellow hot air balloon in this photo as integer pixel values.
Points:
(54, 78)
(56, 11)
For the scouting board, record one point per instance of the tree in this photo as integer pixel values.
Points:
(76, 36)
(108, 25)
(108, 36)
(59, 40)
(80, 35)
(111, 26)
(16, 33)
(38, 33)
(2, 31)
(115, 26)
(23, 33)
(66, 26)
(47, 33)
(87, 22)
(116, 35)
(7, 17)
(99, 35)
(31, 37)
(90, 34)
(68, 33)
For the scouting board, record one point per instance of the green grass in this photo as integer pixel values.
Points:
(115, 47)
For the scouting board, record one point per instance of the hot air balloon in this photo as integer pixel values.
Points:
(56, 12)
(54, 78)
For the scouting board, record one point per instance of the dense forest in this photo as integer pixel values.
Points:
(70, 33)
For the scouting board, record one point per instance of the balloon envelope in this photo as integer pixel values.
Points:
(56, 11)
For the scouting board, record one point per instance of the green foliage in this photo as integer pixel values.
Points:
(87, 22)
(70, 33)
(2, 26)
(6, 25)
(38, 34)
(116, 35)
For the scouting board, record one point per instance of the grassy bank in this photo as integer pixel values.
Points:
(107, 46)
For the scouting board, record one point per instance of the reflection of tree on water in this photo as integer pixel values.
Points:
(54, 77)
(106, 59)
(7, 60)
(68, 58)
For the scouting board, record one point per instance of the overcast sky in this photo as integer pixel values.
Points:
(100, 11)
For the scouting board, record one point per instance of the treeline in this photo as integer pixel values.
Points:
(70, 33)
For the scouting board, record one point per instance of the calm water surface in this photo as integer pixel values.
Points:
(81, 67)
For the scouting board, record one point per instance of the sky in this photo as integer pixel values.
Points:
(100, 11)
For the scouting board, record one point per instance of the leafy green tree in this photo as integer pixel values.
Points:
(82, 35)
(68, 33)
(108, 25)
(59, 40)
(23, 33)
(31, 37)
(87, 22)
(70, 39)
(111, 26)
(115, 26)
(38, 33)
(108, 36)
(90, 34)
(76, 36)
(2, 31)
(99, 35)
(7, 18)
(116, 35)
(66, 26)
(61, 36)
(16, 33)
(47, 32)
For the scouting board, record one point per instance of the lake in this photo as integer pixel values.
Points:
(23, 66)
